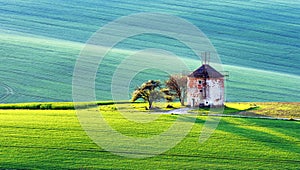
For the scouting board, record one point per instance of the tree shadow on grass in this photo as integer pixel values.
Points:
(287, 128)
(264, 138)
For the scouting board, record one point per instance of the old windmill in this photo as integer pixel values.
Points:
(205, 86)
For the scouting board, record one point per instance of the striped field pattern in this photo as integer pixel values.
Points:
(258, 43)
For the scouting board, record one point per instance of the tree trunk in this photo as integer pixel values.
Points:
(181, 98)
(150, 104)
(181, 101)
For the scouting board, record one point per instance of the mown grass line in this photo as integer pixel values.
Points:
(163, 154)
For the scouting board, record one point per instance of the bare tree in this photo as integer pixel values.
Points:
(177, 85)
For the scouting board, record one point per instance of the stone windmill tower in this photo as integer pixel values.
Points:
(205, 87)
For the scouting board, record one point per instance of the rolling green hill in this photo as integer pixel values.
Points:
(41, 69)
(40, 41)
(257, 42)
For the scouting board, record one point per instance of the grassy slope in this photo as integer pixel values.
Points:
(54, 61)
(290, 110)
(55, 139)
(272, 109)
(40, 42)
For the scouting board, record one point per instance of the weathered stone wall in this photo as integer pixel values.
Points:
(216, 91)
(210, 92)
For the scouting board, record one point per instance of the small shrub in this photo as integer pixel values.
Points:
(170, 106)
(46, 106)
(291, 119)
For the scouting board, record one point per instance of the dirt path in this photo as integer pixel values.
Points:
(179, 111)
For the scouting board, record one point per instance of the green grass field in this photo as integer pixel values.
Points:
(54, 139)
(257, 41)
